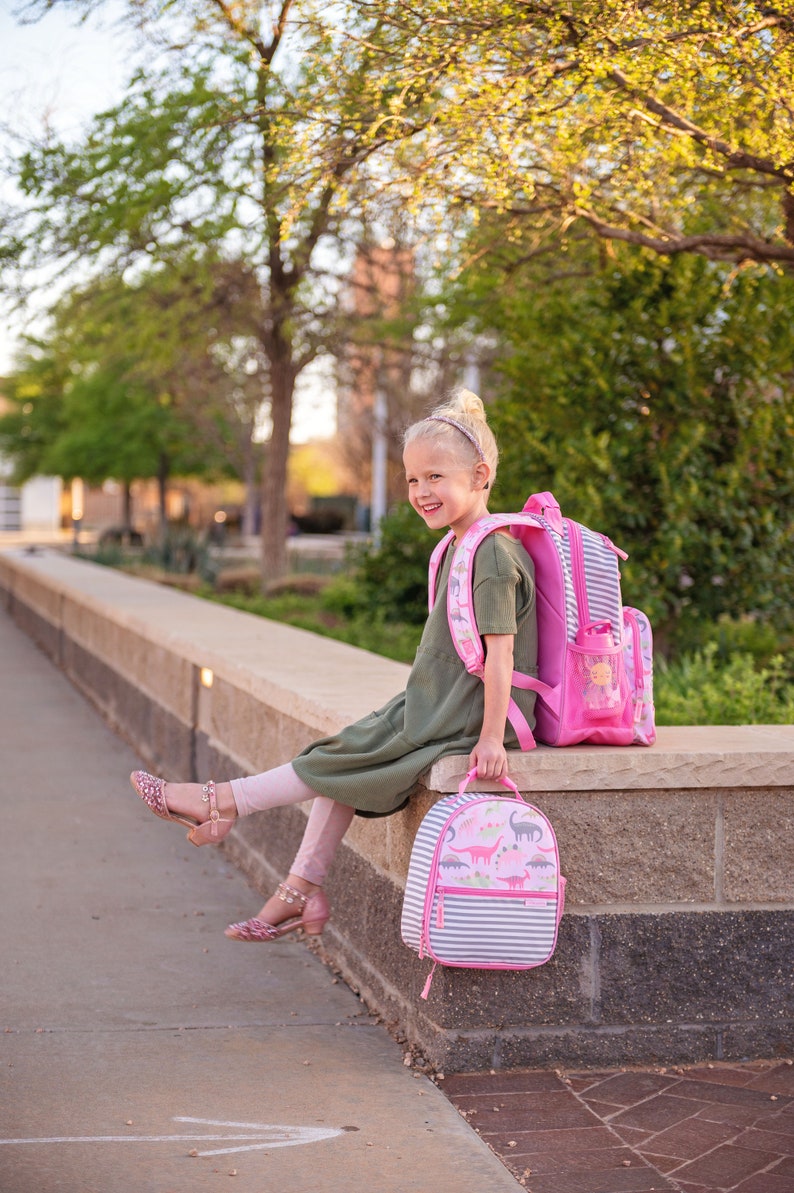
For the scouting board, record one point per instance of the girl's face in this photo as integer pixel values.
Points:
(442, 488)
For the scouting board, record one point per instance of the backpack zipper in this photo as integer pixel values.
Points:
(432, 877)
(549, 897)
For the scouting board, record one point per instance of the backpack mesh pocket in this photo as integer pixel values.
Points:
(596, 686)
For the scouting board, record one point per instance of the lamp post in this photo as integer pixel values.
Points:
(78, 494)
(380, 413)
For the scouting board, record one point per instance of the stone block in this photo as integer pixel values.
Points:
(696, 967)
(758, 858)
(37, 594)
(684, 757)
(44, 632)
(619, 848)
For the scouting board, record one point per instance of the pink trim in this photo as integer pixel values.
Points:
(492, 893)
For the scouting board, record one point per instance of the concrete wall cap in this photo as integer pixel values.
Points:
(329, 684)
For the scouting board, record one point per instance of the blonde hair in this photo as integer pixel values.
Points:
(461, 425)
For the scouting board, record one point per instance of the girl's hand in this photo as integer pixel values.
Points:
(489, 757)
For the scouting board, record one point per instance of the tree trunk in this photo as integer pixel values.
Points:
(126, 510)
(275, 514)
(162, 488)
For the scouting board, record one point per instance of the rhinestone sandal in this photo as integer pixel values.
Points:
(202, 832)
(312, 914)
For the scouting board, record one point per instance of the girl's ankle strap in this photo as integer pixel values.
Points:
(289, 894)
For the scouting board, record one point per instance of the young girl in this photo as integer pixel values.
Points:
(372, 767)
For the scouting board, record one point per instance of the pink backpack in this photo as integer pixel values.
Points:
(595, 656)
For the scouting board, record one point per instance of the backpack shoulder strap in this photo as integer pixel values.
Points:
(460, 612)
(436, 560)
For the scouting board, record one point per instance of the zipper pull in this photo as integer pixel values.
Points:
(440, 910)
(608, 543)
(428, 983)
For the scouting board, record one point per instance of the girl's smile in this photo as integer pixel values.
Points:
(442, 490)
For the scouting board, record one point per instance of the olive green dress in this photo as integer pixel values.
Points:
(374, 764)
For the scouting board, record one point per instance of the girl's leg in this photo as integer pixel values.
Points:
(240, 797)
(327, 824)
(272, 789)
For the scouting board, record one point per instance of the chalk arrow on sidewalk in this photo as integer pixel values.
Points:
(259, 1137)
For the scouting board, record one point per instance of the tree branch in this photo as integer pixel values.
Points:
(736, 157)
(265, 50)
(717, 247)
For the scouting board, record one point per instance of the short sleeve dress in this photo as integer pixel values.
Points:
(374, 764)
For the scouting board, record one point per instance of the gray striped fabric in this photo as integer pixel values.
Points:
(602, 570)
(493, 930)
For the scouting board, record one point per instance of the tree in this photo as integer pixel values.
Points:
(95, 421)
(249, 140)
(187, 334)
(664, 124)
(34, 417)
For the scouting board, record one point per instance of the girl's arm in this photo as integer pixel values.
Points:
(489, 755)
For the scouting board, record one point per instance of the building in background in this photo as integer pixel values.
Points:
(375, 396)
(35, 505)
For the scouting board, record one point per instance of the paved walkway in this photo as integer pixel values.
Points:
(144, 1051)
(696, 1130)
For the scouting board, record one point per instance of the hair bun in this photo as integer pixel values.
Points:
(468, 403)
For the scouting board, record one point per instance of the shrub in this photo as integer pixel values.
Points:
(392, 577)
(701, 689)
(731, 636)
(306, 584)
(247, 579)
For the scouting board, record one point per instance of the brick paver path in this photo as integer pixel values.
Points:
(709, 1129)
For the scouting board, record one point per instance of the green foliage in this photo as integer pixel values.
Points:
(121, 388)
(34, 417)
(700, 689)
(655, 399)
(247, 140)
(757, 640)
(664, 125)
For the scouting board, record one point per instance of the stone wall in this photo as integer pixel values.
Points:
(678, 939)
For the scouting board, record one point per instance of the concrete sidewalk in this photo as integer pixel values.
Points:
(143, 1051)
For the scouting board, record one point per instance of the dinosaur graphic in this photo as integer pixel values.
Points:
(538, 860)
(515, 882)
(488, 831)
(525, 828)
(478, 853)
(449, 862)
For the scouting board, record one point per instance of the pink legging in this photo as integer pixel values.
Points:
(327, 824)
